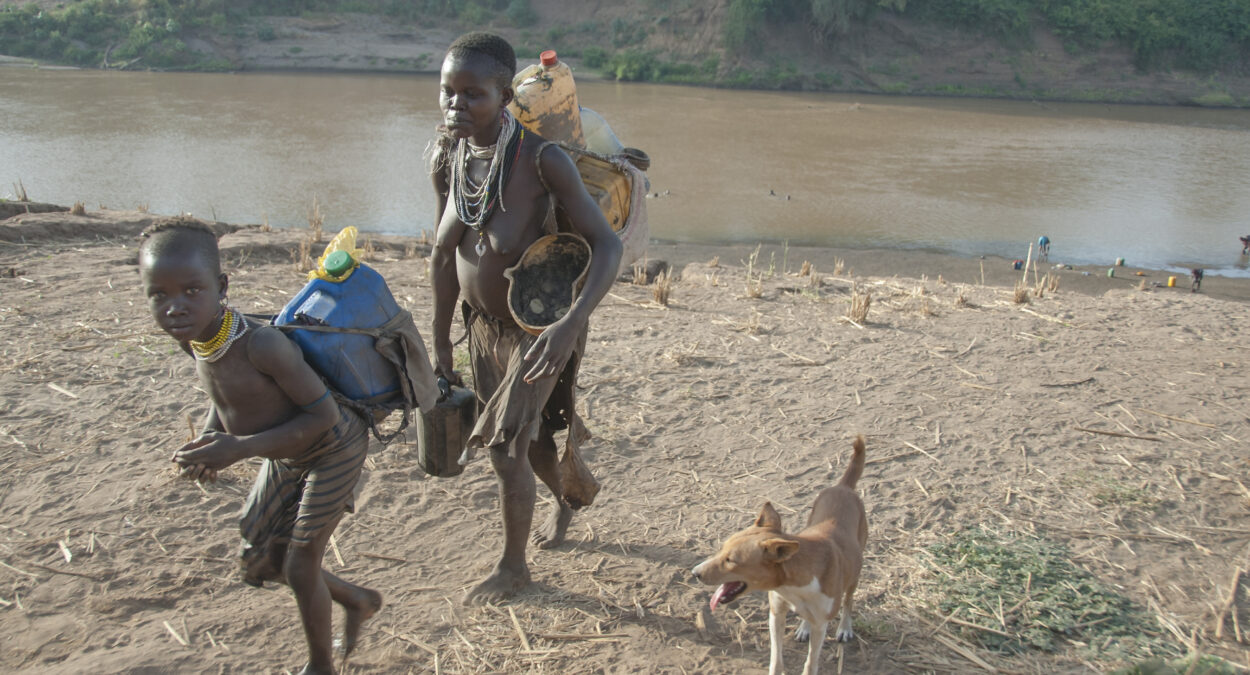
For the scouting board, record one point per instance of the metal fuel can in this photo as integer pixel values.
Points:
(443, 431)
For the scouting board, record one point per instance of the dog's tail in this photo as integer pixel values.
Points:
(856, 468)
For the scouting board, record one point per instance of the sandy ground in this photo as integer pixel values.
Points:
(979, 411)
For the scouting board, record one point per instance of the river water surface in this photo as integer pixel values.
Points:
(1158, 186)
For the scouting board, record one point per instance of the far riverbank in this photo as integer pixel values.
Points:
(56, 223)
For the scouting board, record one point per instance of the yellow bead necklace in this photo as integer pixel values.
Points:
(232, 327)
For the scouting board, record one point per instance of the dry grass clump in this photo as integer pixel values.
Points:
(755, 281)
(961, 300)
(79, 209)
(838, 265)
(368, 252)
(661, 288)
(755, 285)
(264, 224)
(714, 262)
(302, 257)
(316, 219)
(410, 250)
(1021, 295)
(19, 192)
(860, 302)
(1141, 286)
(1050, 283)
(806, 269)
(640, 272)
(815, 279)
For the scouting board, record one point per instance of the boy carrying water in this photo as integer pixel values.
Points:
(265, 402)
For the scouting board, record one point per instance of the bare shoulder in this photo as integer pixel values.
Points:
(269, 348)
(554, 164)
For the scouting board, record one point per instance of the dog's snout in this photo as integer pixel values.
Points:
(695, 572)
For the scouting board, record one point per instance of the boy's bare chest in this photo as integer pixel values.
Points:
(247, 401)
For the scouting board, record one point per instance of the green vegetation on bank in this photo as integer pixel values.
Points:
(1204, 39)
(1202, 36)
(154, 33)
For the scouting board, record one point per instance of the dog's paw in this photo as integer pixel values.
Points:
(804, 632)
(844, 635)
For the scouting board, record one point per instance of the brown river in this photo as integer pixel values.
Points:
(1158, 186)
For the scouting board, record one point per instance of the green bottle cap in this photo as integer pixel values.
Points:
(338, 263)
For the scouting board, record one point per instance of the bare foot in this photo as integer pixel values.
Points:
(502, 584)
(551, 533)
(366, 603)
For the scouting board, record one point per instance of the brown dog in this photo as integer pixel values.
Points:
(813, 572)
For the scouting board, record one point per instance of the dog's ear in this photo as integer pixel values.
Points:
(777, 550)
(768, 518)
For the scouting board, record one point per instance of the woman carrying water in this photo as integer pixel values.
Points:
(496, 183)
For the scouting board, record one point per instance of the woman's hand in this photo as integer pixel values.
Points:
(552, 349)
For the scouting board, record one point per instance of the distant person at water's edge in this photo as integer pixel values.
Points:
(496, 185)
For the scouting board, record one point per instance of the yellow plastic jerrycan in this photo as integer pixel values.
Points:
(608, 186)
(546, 101)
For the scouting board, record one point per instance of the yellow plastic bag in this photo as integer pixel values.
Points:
(345, 240)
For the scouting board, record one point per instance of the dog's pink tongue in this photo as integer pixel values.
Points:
(719, 595)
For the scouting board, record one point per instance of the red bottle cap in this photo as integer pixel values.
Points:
(548, 58)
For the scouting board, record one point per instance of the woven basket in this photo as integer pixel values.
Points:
(546, 280)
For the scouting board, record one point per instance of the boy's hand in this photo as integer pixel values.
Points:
(199, 472)
(552, 350)
(210, 452)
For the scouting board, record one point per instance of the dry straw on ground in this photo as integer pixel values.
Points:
(1038, 424)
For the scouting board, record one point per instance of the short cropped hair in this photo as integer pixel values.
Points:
(491, 46)
(182, 234)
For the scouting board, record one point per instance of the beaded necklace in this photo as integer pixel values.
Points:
(476, 203)
(233, 326)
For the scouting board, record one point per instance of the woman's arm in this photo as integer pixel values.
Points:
(555, 345)
(443, 279)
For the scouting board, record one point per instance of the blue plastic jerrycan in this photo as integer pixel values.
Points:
(358, 299)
